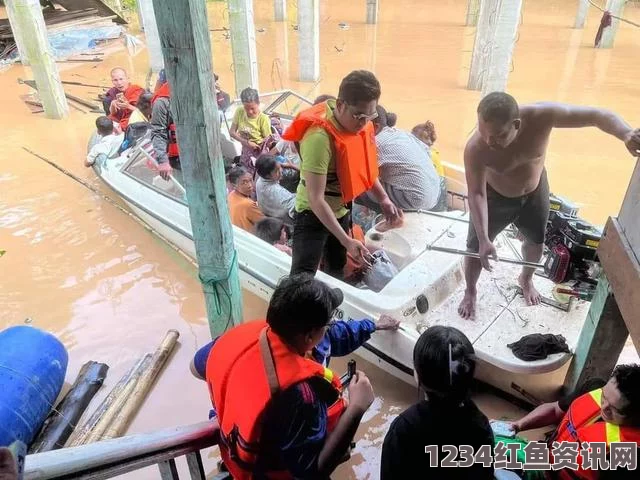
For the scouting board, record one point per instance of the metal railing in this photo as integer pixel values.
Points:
(110, 458)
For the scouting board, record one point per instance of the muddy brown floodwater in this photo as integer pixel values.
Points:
(109, 290)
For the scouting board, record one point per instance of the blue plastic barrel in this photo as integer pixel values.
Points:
(33, 365)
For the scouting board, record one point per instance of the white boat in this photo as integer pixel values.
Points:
(426, 291)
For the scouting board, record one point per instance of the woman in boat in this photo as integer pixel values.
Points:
(444, 365)
(406, 170)
(243, 210)
(273, 199)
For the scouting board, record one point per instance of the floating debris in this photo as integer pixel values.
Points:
(28, 320)
(344, 26)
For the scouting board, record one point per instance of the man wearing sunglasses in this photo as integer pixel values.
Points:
(336, 141)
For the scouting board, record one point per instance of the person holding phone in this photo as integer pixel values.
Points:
(279, 411)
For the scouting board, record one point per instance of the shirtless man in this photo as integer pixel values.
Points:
(507, 180)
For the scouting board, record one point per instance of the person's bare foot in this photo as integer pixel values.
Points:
(467, 307)
(531, 295)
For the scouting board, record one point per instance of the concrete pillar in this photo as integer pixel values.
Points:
(281, 51)
(581, 16)
(243, 44)
(309, 40)
(473, 11)
(17, 34)
(506, 32)
(616, 8)
(482, 44)
(280, 10)
(148, 24)
(372, 11)
(29, 23)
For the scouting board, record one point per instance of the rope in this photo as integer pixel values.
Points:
(613, 16)
(218, 284)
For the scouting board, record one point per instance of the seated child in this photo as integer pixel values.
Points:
(274, 232)
(251, 128)
(105, 142)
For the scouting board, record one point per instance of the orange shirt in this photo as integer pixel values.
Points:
(244, 212)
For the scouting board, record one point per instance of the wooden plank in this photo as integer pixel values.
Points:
(623, 271)
(628, 217)
(17, 33)
(186, 48)
(28, 20)
(602, 339)
(103, 9)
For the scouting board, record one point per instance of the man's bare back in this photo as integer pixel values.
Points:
(504, 160)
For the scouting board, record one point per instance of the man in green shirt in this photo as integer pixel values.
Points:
(323, 220)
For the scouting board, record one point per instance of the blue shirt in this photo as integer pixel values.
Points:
(296, 422)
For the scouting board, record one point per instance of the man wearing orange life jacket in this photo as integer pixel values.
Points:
(163, 132)
(336, 142)
(608, 414)
(281, 413)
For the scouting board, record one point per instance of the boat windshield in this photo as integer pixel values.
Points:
(285, 104)
(139, 168)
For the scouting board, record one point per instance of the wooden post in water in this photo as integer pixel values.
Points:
(485, 32)
(29, 23)
(601, 340)
(243, 44)
(9, 6)
(186, 47)
(581, 16)
(373, 7)
(280, 10)
(148, 24)
(506, 31)
(309, 40)
(473, 11)
(616, 8)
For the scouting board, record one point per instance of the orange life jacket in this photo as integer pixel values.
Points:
(356, 153)
(246, 366)
(172, 148)
(582, 423)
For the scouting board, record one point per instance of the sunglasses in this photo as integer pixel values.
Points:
(363, 116)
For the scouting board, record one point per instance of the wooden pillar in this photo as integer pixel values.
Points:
(601, 340)
(616, 8)
(506, 32)
(243, 44)
(581, 16)
(148, 24)
(280, 10)
(309, 40)
(186, 47)
(372, 11)
(473, 11)
(482, 43)
(17, 33)
(29, 23)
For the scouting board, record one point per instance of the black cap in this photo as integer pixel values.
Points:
(337, 297)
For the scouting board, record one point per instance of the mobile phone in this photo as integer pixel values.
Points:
(351, 371)
(503, 429)
(19, 451)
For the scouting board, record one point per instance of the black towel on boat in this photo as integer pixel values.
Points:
(538, 346)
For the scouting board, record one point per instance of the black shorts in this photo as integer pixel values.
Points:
(529, 213)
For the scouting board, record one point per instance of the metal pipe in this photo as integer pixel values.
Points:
(455, 251)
